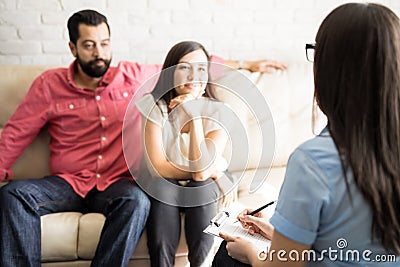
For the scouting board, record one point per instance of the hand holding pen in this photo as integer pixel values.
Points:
(252, 213)
(256, 222)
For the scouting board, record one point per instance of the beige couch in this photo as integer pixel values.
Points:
(70, 238)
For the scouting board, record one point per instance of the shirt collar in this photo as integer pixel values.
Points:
(325, 132)
(70, 73)
(108, 77)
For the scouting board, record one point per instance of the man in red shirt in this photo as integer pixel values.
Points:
(83, 107)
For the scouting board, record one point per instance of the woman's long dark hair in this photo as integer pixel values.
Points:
(164, 88)
(357, 86)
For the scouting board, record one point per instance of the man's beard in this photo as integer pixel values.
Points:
(91, 69)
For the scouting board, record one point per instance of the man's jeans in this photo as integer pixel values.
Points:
(124, 205)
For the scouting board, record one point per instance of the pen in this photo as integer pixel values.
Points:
(259, 209)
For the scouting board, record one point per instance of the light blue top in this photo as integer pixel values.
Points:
(314, 209)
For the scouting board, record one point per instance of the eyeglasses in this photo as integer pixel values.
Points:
(310, 50)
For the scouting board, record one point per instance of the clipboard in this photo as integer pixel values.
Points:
(224, 222)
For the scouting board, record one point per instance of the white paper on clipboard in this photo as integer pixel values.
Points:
(224, 223)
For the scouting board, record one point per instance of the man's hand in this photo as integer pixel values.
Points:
(263, 65)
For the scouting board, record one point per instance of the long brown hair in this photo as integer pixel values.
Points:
(164, 88)
(357, 86)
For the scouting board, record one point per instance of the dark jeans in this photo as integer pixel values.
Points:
(222, 259)
(164, 229)
(22, 203)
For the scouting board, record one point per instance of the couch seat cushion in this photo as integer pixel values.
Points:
(60, 236)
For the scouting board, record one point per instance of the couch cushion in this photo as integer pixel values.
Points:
(60, 236)
(90, 226)
(239, 90)
(265, 192)
(286, 114)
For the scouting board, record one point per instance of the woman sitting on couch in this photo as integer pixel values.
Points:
(183, 142)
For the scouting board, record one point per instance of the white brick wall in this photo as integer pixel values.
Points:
(34, 32)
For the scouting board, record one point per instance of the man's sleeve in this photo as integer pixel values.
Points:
(217, 59)
(23, 126)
